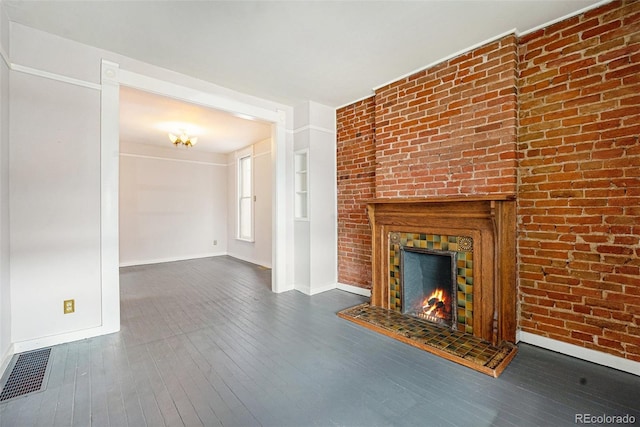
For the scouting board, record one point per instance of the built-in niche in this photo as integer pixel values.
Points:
(301, 201)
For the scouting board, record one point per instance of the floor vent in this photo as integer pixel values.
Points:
(29, 372)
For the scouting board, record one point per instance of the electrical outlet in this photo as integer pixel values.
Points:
(69, 306)
(215, 243)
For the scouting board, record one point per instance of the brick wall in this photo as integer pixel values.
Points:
(450, 129)
(566, 142)
(356, 175)
(579, 189)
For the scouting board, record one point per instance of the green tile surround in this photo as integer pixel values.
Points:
(463, 245)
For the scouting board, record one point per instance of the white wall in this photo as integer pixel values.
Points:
(5, 289)
(55, 181)
(54, 206)
(315, 240)
(173, 204)
(258, 251)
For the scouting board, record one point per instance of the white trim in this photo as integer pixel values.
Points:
(255, 156)
(240, 239)
(246, 259)
(34, 344)
(514, 31)
(244, 152)
(199, 162)
(170, 259)
(195, 96)
(6, 359)
(282, 253)
(109, 197)
(5, 58)
(54, 76)
(562, 18)
(578, 352)
(266, 153)
(240, 155)
(357, 100)
(448, 57)
(354, 289)
(282, 245)
(313, 289)
(313, 127)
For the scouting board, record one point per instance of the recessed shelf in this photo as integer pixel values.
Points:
(301, 200)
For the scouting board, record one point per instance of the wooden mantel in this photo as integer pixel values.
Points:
(489, 219)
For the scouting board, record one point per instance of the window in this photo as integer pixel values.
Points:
(245, 195)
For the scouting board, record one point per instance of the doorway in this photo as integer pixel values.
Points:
(178, 201)
(112, 78)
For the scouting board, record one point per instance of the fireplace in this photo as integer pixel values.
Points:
(463, 247)
(428, 285)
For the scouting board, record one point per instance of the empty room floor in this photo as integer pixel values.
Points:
(205, 342)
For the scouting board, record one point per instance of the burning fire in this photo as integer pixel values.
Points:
(434, 306)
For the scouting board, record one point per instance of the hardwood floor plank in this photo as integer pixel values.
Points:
(206, 342)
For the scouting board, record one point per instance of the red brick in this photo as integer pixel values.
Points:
(573, 160)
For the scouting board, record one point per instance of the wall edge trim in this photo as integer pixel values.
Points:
(6, 359)
(355, 101)
(475, 46)
(169, 259)
(562, 18)
(56, 77)
(314, 290)
(199, 162)
(246, 259)
(312, 127)
(354, 289)
(51, 340)
(578, 352)
(5, 57)
(513, 31)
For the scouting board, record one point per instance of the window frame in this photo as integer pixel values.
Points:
(241, 157)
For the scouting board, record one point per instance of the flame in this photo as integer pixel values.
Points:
(430, 306)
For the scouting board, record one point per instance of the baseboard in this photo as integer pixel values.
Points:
(6, 359)
(314, 290)
(354, 289)
(170, 259)
(578, 352)
(28, 345)
(246, 259)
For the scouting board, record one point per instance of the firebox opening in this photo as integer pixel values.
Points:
(428, 285)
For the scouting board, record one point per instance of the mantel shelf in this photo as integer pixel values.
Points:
(443, 199)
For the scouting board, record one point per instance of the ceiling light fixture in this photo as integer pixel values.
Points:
(183, 139)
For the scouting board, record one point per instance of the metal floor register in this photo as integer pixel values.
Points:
(27, 373)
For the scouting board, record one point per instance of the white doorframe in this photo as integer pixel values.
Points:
(112, 78)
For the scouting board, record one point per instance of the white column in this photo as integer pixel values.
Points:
(315, 237)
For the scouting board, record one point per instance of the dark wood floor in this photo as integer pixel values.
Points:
(205, 342)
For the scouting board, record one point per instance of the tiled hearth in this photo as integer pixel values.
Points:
(480, 231)
(456, 346)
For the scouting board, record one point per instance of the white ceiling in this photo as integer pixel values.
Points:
(147, 118)
(330, 52)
